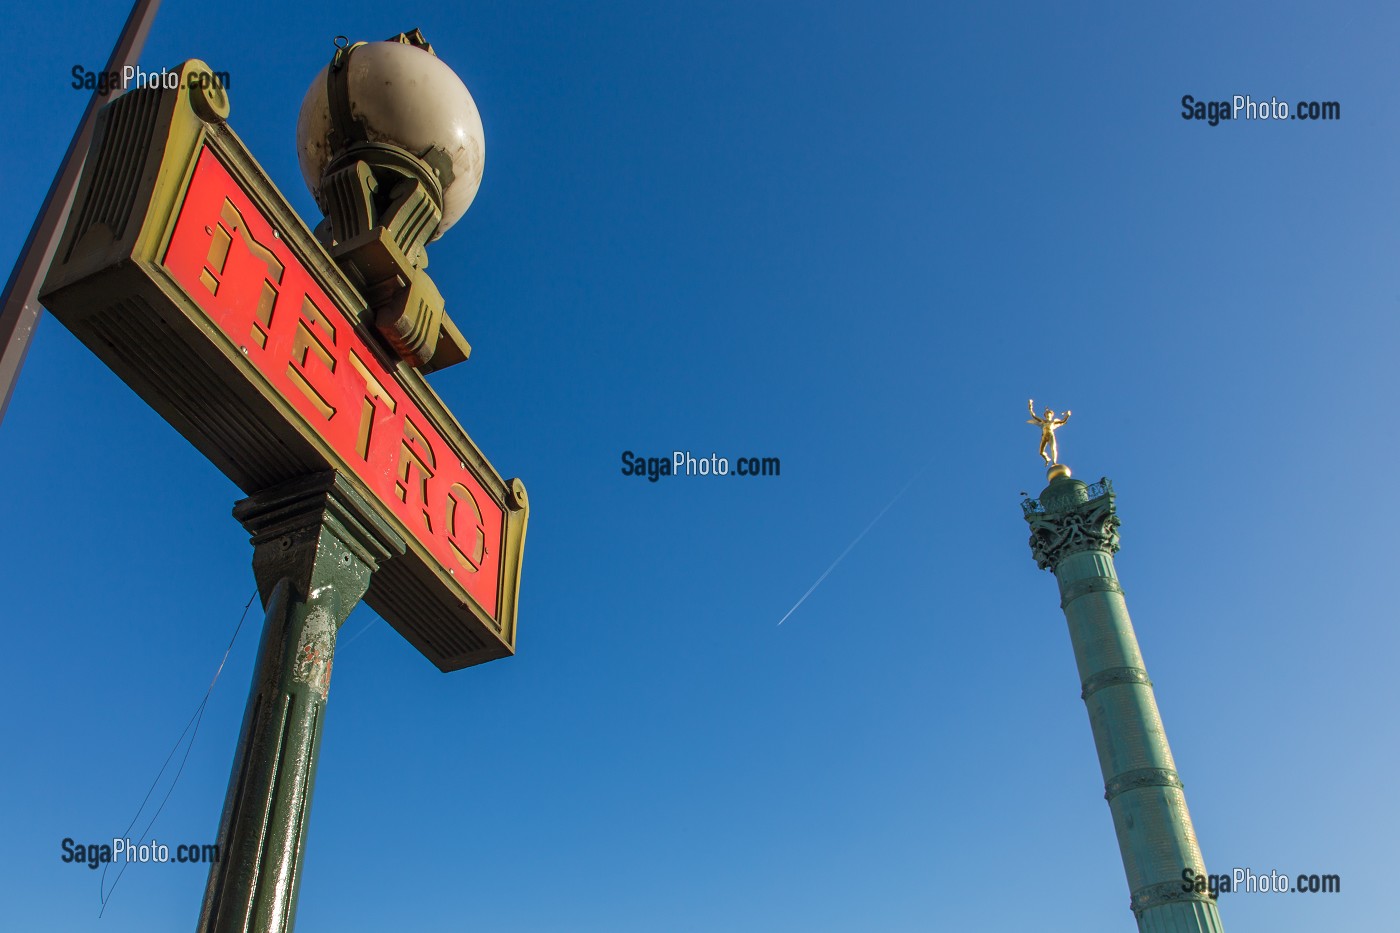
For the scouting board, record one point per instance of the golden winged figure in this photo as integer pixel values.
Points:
(1048, 426)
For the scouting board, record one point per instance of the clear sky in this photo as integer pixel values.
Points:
(855, 236)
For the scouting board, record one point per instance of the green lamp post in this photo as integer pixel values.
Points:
(294, 361)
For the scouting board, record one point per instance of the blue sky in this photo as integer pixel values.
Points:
(856, 237)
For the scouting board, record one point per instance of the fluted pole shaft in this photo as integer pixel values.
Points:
(316, 544)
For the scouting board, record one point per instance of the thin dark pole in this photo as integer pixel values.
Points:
(19, 305)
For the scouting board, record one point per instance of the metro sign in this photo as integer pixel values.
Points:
(185, 270)
(224, 255)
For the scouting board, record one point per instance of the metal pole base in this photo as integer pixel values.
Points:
(316, 543)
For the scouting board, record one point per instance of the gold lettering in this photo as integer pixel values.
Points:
(374, 392)
(218, 257)
(263, 323)
(473, 562)
(308, 343)
(415, 453)
(231, 222)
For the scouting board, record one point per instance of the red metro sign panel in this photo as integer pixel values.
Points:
(224, 255)
(185, 270)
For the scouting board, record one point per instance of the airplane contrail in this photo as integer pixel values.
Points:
(367, 626)
(838, 560)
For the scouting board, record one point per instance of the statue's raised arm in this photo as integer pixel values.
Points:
(1030, 406)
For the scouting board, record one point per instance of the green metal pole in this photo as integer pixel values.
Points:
(1074, 532)
(316, 543)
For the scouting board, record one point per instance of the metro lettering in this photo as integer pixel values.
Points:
(307, 350)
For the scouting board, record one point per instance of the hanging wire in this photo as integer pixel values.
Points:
(192, 729)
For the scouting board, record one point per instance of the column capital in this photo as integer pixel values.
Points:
(296, 525)
(1071, 516)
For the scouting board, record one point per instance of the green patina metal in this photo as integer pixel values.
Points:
(112, 286)
(316, 543)
(186, 271)
(1074, 532)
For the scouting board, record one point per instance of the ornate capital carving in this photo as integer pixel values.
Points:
(1067, 527)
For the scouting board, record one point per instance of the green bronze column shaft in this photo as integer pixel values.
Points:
(316, 543)
(1074, 532)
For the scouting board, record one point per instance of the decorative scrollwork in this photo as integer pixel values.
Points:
(1072, 527)
(1054, 503)
(1101, 488)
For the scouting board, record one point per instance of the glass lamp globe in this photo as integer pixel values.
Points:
(402, 96)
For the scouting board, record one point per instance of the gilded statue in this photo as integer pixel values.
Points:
(1048, 426)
